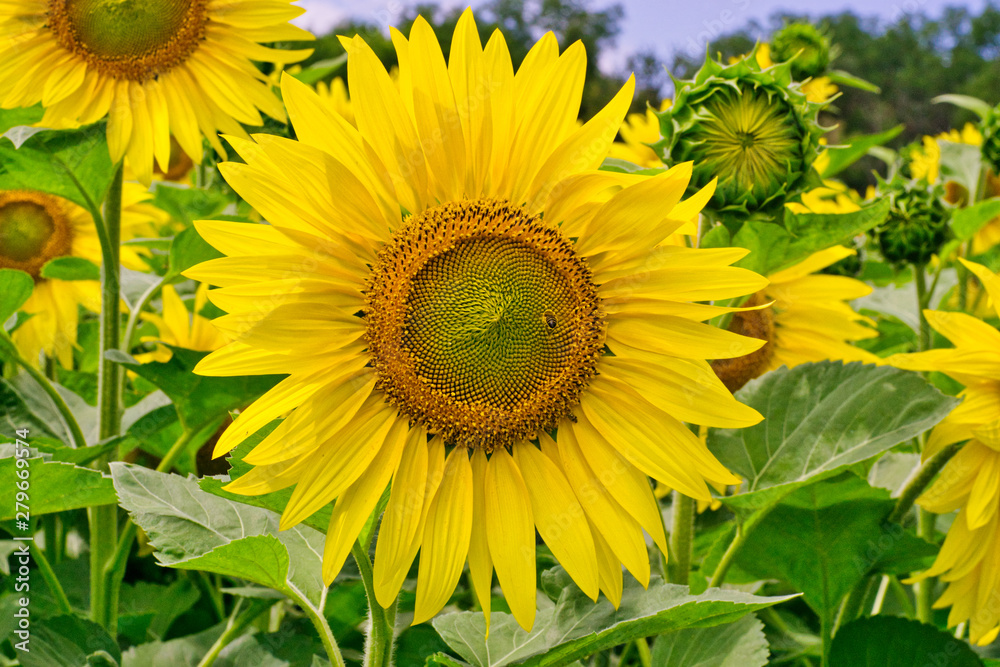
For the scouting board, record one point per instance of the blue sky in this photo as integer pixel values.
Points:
(667, 26)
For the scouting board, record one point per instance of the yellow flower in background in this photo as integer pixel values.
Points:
(834, 197)
(155, 68)
(925, 162)
(637, 132)
(335, 96)
(969, 560)
(808, 319)
(35, 228)
(180, 328)
(493, 263)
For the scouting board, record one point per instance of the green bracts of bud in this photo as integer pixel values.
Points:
(917, 225)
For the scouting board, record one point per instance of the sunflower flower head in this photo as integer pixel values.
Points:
(444, 316)
(970, 556)
(803, 315)
(155, 68)
(917, 224)
(36, 228)
(752, 128)
(805, 47)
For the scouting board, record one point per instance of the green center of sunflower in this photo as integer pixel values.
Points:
(130, 39)
(736, 372)
(33, 230)
(483, 323)
(749, 141)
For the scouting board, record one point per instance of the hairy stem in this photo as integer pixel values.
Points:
(681, 538)
(379, 642)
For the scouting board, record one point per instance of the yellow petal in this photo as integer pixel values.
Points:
(678, 337)
(480, 562)
(446, 537)
(511, 534)
(989, 279)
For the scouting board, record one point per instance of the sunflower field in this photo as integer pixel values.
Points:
(311, 363)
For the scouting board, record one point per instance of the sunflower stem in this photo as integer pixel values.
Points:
(49, 576)
(728, 557)
(103, 520)
(379, 641)
(924, 589)
(133, 317)
(923, 301)
(920, 479)
(681, 538)
(234, 627)
(321, 625)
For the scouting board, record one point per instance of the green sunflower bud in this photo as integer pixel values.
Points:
(917, 225)
(990, 128)
(754, 129)
(804, 46)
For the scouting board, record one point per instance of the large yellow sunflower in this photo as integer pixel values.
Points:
(154, 67)
(808, 319)
(36, 228)
(969, 560)
(442, 284)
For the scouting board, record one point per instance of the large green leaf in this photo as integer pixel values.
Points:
(54, 486)
(74, 164)
(68, 641)
(146, 610)
(192, 529)
(199, 400)
(15, 288)
(577, 626)
(819, 419)
(15, 415)
(738, 644)
(71, 268)
(965, 222)
(891, 641)
(773, 247)
(843, 156)
(825, 538)
(188, 204)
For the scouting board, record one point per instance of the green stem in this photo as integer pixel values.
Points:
(883, 589)
(645, 657)
(727, 558)
(65, 413)
(234, 627)
(920, 479)
(322, 627)
(923, 301)
(827, 635)
(49, 576)
(133, 318)
(924, 589)
(103, 519)
(681, 538)
(52, 538)
(379, 642)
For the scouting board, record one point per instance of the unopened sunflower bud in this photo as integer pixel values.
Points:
(917, 225)
(807, 49)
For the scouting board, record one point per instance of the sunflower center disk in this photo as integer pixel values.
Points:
(32, 231)
(735, 373)
(483, 323)
(129, 39)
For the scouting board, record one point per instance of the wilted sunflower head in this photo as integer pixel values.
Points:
(752, 128)
(476, 312)
(804, 46)
(917, 225)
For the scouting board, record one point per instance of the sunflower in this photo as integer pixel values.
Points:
(35, 228)
(833, 197)
(638, 132)
(155, 68)
(180, 328)
(969, 560)
(335, 96)
(806, 318)
(925, 160)
(444, 311)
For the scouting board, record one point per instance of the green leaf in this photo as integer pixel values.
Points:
(189, 249)
(146, 610)
(891, 641)
(825, 538)
(973, 104)
(965, 222)
(843, 156)
(960, 163)
(322, 70)
(71, 268)
(182, 652)
(74, 164)
(843, 78)
(189, 204)
(16, 415)
(54, 486)
(194, 530)
(21, 116)
(578, 627)
(445, 660)
(738, 644)
(68, 641)
(819, 419)
(274, 501)
(199, 399)
(15, 288)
